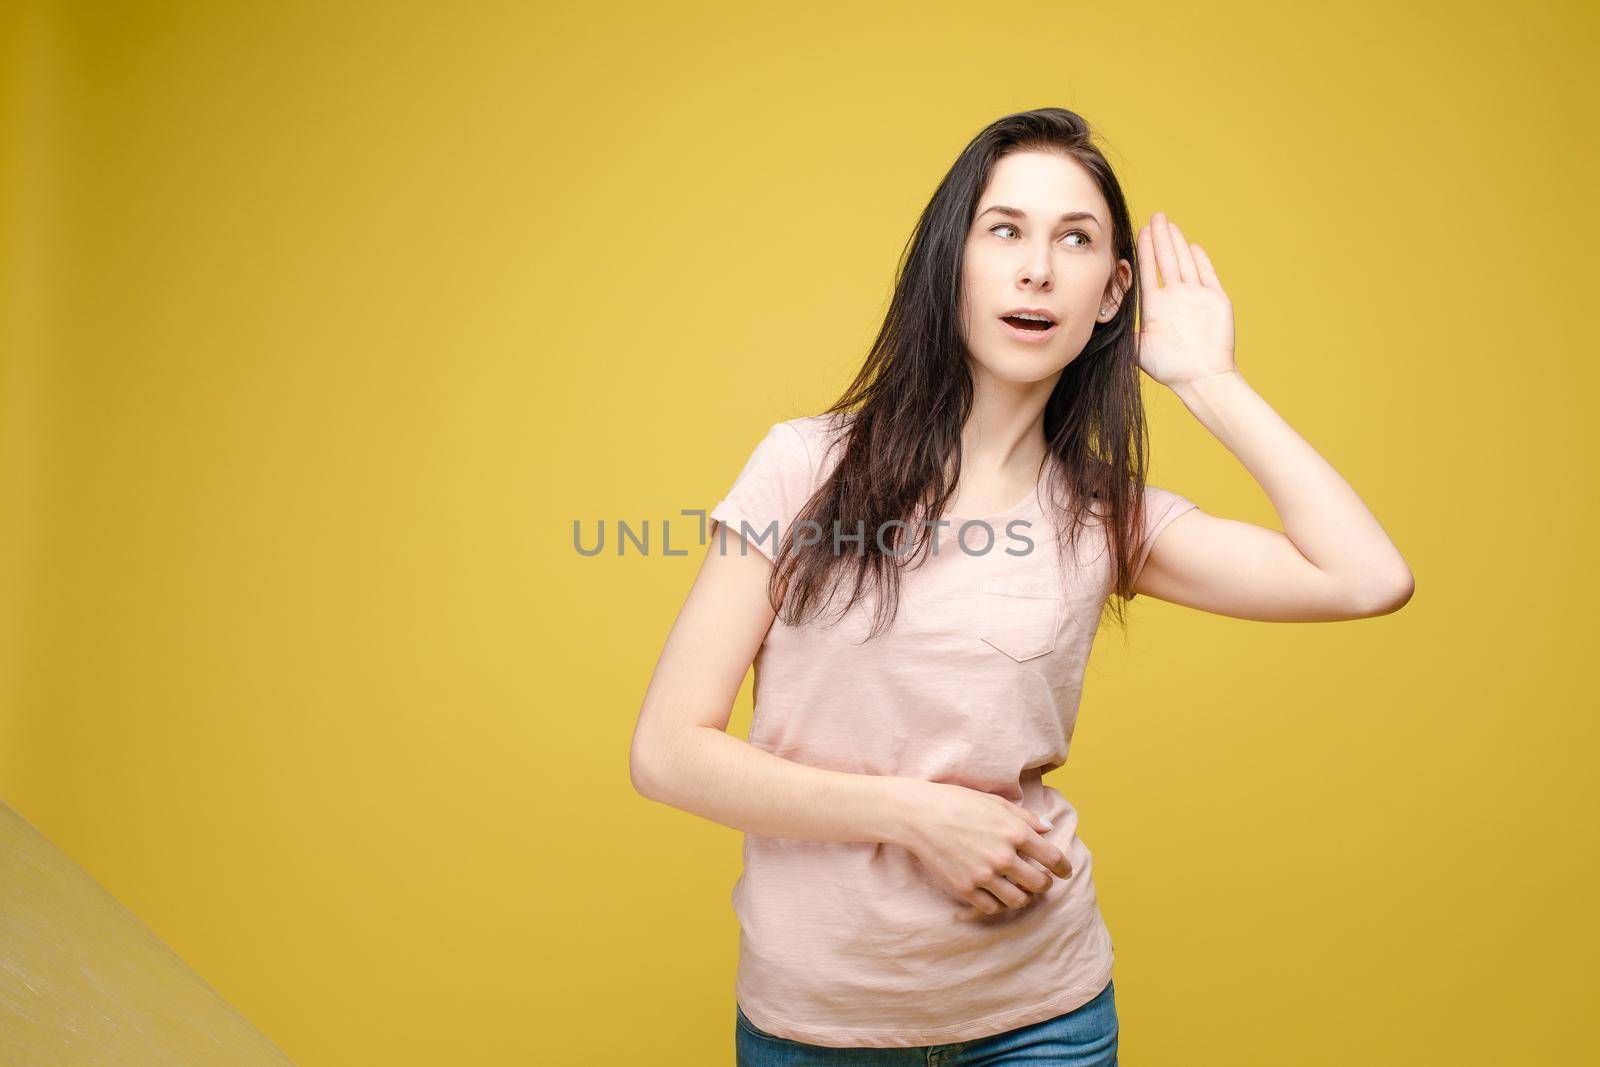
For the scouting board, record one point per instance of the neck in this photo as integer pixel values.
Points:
(1004, 434)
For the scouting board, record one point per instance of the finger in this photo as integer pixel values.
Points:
(1052, 857)
(973, 914)
(1180, 248)
(1166, 259)
(1145, 253)
(1036, 865)
(1029, 875)
(984, 904)
(1007, 892)
(1208, 273)
(1036, 822)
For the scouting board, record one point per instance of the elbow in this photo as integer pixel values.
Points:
(642, 771)
(1388, 597)
(664, 764)
(653, 764)
(1405, 589)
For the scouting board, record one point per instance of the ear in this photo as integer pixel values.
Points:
(1116, 289)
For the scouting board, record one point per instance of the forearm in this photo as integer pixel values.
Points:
(710, 773)
(1320, 512)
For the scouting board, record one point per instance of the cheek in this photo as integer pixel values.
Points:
(1083, 284)
(979, 273)
(973, 281)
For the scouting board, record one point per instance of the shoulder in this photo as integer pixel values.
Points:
(782, 464)
(1157, 506)
(813, 430)
(821, 436)
(1163, 505)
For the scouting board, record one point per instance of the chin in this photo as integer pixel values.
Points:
(1022, 368)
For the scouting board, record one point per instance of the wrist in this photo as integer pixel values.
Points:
(1207, 385)
(894, 817)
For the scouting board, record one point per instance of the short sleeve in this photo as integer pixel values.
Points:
(1161, 506)
(769, 492)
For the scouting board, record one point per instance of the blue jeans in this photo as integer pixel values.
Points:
(1083, 1037)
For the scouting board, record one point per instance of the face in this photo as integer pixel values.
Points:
(1040, 239)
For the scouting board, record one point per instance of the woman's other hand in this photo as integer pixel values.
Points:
(980, 846)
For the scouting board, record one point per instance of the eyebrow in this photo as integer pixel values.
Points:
(1071, 216)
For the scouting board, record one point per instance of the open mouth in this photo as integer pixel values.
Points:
(1028, 331)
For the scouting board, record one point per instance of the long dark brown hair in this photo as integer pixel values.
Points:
(900, 420)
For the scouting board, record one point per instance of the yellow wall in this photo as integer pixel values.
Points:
(325, 321)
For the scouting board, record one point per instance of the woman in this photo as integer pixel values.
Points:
(918, 573)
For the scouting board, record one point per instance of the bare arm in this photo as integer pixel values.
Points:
(1332, 560)
(682, 754)
(982, 847)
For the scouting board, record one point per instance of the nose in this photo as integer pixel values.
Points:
(1036, 270)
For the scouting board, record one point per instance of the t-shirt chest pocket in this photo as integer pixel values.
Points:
(1018, 615)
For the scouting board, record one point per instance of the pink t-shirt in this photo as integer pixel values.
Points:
(975, 683)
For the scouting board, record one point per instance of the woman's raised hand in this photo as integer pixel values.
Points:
(1185, 318)
(982, 847)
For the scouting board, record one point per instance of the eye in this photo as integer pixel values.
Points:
(1087, 240)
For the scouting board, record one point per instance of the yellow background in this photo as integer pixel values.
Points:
(324, 322)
